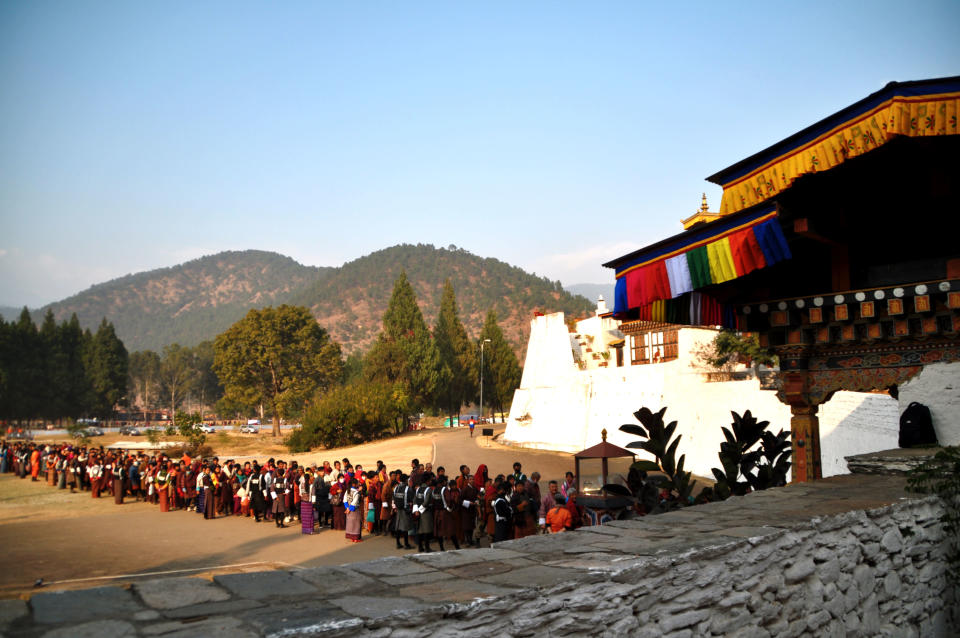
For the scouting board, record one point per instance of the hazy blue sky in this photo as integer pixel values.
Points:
(551, 135)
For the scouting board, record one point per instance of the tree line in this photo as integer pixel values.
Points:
(59, 371)
(276, 362)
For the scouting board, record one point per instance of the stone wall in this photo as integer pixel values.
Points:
(843, 557)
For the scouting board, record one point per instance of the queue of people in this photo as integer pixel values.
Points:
(417, 507)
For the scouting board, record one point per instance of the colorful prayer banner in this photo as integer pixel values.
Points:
(700, 258)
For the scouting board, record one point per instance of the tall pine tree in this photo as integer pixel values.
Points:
(501, 370)
(405, 354)
(457, 355)
(107, 368)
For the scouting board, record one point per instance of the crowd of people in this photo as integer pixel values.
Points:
(417, 507)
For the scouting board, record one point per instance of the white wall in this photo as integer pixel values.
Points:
(566, 410)
(937, 387)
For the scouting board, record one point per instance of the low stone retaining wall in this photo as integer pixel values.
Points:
(842, 557)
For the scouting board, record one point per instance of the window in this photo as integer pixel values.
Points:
(653, 347)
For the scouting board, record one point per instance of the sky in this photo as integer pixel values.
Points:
(554, 136)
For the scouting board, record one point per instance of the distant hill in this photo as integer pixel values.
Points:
(351, 300)
(592, 291)
(199, 299)
(10, 313)
(188, 303)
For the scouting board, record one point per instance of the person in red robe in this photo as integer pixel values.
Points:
(34, 464)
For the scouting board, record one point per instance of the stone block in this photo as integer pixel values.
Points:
(799, 571)
(335, 580)
(538, 576)
(415, 579)
(865, 579)
(892, 585)
(391, 566)
(264, 585)
(477, 570)
(97, 603)
(892, 541)
(457, 591)
(203, 610)
(376, 607)
(95, 629)
(169, 593)
(295, 619)
(460, 557)
(674, 622)
(215, 627)
(12, 610)
(829, 571)
(818, 619)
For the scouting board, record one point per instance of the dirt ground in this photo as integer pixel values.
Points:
(72, 540)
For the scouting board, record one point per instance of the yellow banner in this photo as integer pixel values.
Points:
(910, 116)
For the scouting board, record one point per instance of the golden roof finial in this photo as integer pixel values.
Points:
(703, 204)
(603, 434)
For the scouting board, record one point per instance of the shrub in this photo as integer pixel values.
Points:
(747, 443)
(354, 413)
(657, 439)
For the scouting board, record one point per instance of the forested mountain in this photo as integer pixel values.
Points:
(350, 301)
(189, 303)
(199, 299)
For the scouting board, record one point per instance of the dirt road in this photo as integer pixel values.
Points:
(73, 540)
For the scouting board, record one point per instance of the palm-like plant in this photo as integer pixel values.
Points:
(657, 439)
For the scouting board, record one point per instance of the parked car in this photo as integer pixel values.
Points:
(93, 432)
(248, 429)
(129, 430)
(206, 428)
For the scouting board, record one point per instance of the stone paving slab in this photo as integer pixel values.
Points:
(392, 566)
(357, 599)
(11, 611)
(414, 579)
(294, 617)
(83, 604)
(378, 606)
(262, 585)
(335, 580)
(95, 629)
(459, 557)
(203, 610)
(456, 591)
(170, 593)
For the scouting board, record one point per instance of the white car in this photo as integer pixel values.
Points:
(206, 428)
(248, 429)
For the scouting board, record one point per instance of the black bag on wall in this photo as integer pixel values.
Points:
(916, 426)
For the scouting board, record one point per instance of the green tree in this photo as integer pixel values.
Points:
(25, 369)
(74, 387)
(276, 356)
(177, 376)
(404, 352)
(730, 347)
(107, 365)
(54, 369)
(457, 354)
(206, 387)
(145, 379)
(501, 374)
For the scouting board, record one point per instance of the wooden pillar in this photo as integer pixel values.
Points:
(805, 438)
